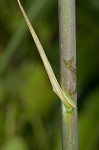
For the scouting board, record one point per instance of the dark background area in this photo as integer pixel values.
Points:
(30, 114)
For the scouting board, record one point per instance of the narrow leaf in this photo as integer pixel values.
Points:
(65, 98)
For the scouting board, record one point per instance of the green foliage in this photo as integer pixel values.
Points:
(29, 112)
(89, 122)
(35, 79)
(15, 144)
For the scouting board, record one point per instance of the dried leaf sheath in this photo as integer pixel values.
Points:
(65, 98)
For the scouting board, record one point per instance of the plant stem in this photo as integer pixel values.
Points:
(68, 71)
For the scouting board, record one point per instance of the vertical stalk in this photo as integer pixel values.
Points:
(68, 71)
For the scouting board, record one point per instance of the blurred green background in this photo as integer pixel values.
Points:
(30, 114)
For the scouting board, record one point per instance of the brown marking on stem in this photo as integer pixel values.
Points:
(70, 66)
(71, 93)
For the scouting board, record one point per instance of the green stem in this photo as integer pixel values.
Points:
(69, 130)
(68, 71)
